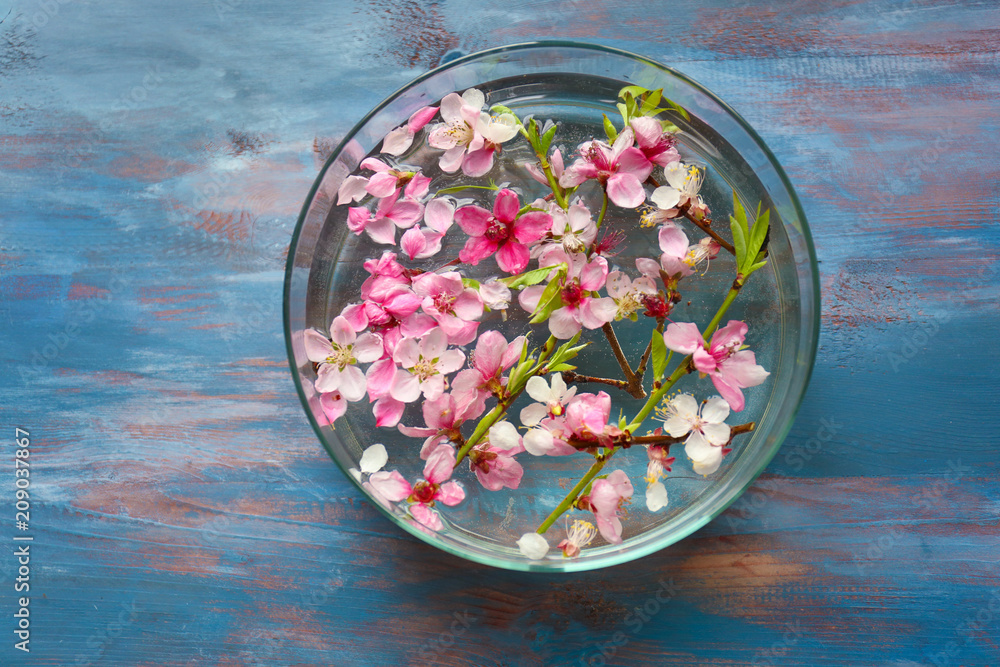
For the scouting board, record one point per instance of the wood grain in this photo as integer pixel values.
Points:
(153, 158)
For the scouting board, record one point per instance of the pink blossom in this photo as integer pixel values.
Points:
(574, 228)
(390, 214)
(425, 493)
(337, 359)
(587, 418)
(730, 368)
(605, 499)
(620, 169)
(423, 242)
(579, 308)
(501, 232)
(493, 460)
(555, 164)
(629, 294)
(334, 405)
(468, 136)
(493, 356)
(400, 139)
(655, 144)
(388, 180)
(453, 306)
(443, 417)
(423, 365)
(385, 274)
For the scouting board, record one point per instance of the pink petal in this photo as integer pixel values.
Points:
(610, 528)
(352, 383)
(506, 206)
(539, 176)
(387, 411)
(426, 516)
(633, 161)
(357, 218)
(513, 352)
(459, 331)
(374, 164)
(595, 313)
(451, 493)
(440, 465)
(451, 107)
(490, 348)
(405, 387)
(648, 267)
(625, 190)
(420, 118)
(729, 391)
(563, 323)
(476, 249)
(742, 369)
(530, 296)
(556, 162)
(472, 219)
(683, 337)
(381, 185)
(468, 305)
(451, 361)
(355, 314)
(406, 213)
(673, 241)
(439, 214)
(318, 347)
(532, 226)
(334, 405)
(416, 431)
(407, 353)
(647, 131)
(327, 378)
(477, 162)
(380, 376)
(342, 332)
(433, 344)
(413, 242)
(733, 334)
(391, 485)
(381, 230)
(352, 189)
(397, 141)
(513, 257)
(505, 471)
(703, 361)
(594, 274)
(417, 187)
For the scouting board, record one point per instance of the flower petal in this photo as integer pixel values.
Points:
(318, 346)
(656, 497)
(391, 485)
(533, 546)
(503, 435)
(373, 458)
(683, 337)
(426, 516)
(439, 465)
(506, 206)
(625, 190)
(387, 411)
(513, 257)
(451, 493)
(439, 214)
(533, 414)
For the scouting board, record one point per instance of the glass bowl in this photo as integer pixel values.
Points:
(574, 84)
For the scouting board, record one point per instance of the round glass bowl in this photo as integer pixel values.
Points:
(575, 85)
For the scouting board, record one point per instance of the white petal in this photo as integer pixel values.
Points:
(685, 406)
(533, 545)
(715, 410)
(534, 413)
(474, 98)
(374, 458)
(538, 388)
(677, 426)
(699, 449)
(538, 442)
(503, 435)
(665, 197)
(717, 434)
(656, 497)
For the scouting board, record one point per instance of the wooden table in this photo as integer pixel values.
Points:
(153, 158)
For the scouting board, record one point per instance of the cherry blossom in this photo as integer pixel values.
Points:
(658, 467)
(493, 460)
(453, 306)
(423, 365)
(423, 495)
(391, 213)
(628, 294)
(490, 133)
(501, 232)
(578, 536)
(580, 308)
(683, 183)
(731, 368)
(574, 228)
(620, 169)
(587, 418)
(493, 355)
(468, 136)
(606, 497)
(337, 359)
(399, 140)
(496, 295)
(705, 428)
(443, 417)
(545, 419)
(656, 145)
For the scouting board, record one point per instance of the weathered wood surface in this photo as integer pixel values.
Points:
(153, 157)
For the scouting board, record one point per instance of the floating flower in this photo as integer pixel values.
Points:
(578, 536)
(495, 294)
(443, 417)
(656, 145)
(388, 180)
(391, 213)
(705, 428)
(552, 399)
(620, 169)
(337, 359)
(731, 368)
(574, 228)
(469, 137)
(493, 356)
(580, 308)
(501, 232)
(629, 294)
(423, 495)
(455, 307)
(606, 497)
(658, 467)
(683, 183)
(493, 460)
(423, 366)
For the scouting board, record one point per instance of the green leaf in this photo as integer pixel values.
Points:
(754, 267)
(469, 282)
(623, 110)
(546, 140)
(632, 91)
(532, 277)
(499, 109)
(739, 212)
(739, 242)
(652, 99)
(549, 301)
(678, 108)
(558, 368)
(758, 233)
(658, 352)
(609, 130)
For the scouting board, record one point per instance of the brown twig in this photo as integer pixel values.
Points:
(626, 440)
(703, 225)
(633, 383)
(571, 376)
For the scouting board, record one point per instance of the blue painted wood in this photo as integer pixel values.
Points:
(152, 162)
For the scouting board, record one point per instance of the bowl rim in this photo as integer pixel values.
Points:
(780, 432)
